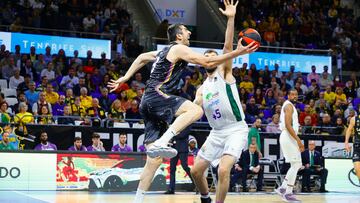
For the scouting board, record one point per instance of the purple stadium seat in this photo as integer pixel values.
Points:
(301, 106)
(356, 103)
(112, 97)
(267, 113)
(95, 95)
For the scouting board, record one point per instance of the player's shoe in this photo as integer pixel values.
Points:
(290, 198)
(206, 200)
(280, 191)
(162, 151)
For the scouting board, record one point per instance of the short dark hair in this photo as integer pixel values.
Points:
(77, 138)
(95, 135)
(291, 90)
(209, 51)
(122, 133)
(173, 30)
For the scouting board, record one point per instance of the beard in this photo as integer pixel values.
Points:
(293, 101)
(210, 71)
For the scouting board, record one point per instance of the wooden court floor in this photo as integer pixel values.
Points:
(86, 197)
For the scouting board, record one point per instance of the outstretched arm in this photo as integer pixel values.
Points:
(348, 133)
(230, 11)
(185, 53)
(139, 62)
(198, 96)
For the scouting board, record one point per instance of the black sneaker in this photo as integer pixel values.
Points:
(205, 200)
(169, 192)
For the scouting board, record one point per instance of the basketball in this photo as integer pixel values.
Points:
(249, 35)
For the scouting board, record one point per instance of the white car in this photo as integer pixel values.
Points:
(121, 179)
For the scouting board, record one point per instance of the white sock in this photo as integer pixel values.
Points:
(284, 183)
(289, 189)
(291, 176)
(166, 137)
(139, 197)
(205, 196)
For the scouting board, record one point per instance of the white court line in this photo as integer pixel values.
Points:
(34, 196)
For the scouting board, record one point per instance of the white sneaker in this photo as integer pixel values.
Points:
(162, 151)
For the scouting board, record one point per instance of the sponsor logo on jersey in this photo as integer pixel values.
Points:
(210, 96)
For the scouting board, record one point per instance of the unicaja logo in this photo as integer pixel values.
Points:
(13, 172)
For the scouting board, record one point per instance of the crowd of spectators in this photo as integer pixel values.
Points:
(51, 90)
(313, 24)
(104, 19)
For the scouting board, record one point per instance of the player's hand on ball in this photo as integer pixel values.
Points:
(115, 84)
(230, 8)
(347, 147)
(247, 49)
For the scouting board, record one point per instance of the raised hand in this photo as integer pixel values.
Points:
(247, 49)
(230, 8)
(115, 84)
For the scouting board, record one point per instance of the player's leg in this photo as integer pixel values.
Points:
(357, 168)
(292, 154)
(184, 164)
(356, 159)
(197, 173)
(152, 164)
(153, 129)
(173, 163)
(225, 165)
(185, 114)
(235, 140)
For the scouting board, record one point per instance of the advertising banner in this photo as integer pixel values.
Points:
(301, 62)
(5, 39)
(111, 172)
(27, 171)
(183, 11)
(340, 178)
(68, 44)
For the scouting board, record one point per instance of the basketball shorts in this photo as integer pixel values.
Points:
(290, 148)
(356, 154)
(230, 140)
(158, 112)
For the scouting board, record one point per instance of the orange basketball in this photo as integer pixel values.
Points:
(250, 35)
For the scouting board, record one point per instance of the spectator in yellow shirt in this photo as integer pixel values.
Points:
(249, 22)
(247, 85)
(329, 95)
(85, 100)
(51, 96)
(340, 95)
(196, 79)
(23, 117)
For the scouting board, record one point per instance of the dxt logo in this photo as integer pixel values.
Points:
(175, 13)
(13, 172)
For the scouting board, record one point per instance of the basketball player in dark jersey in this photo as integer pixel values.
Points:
(354, 125)
(159, 106)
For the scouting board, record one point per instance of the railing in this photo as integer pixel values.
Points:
(139, 123)
(157, 16)
(220, 45)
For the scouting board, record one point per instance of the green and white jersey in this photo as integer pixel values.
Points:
(295, 121)
(221, 103)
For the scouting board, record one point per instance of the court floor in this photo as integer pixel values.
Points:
(101, 197)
